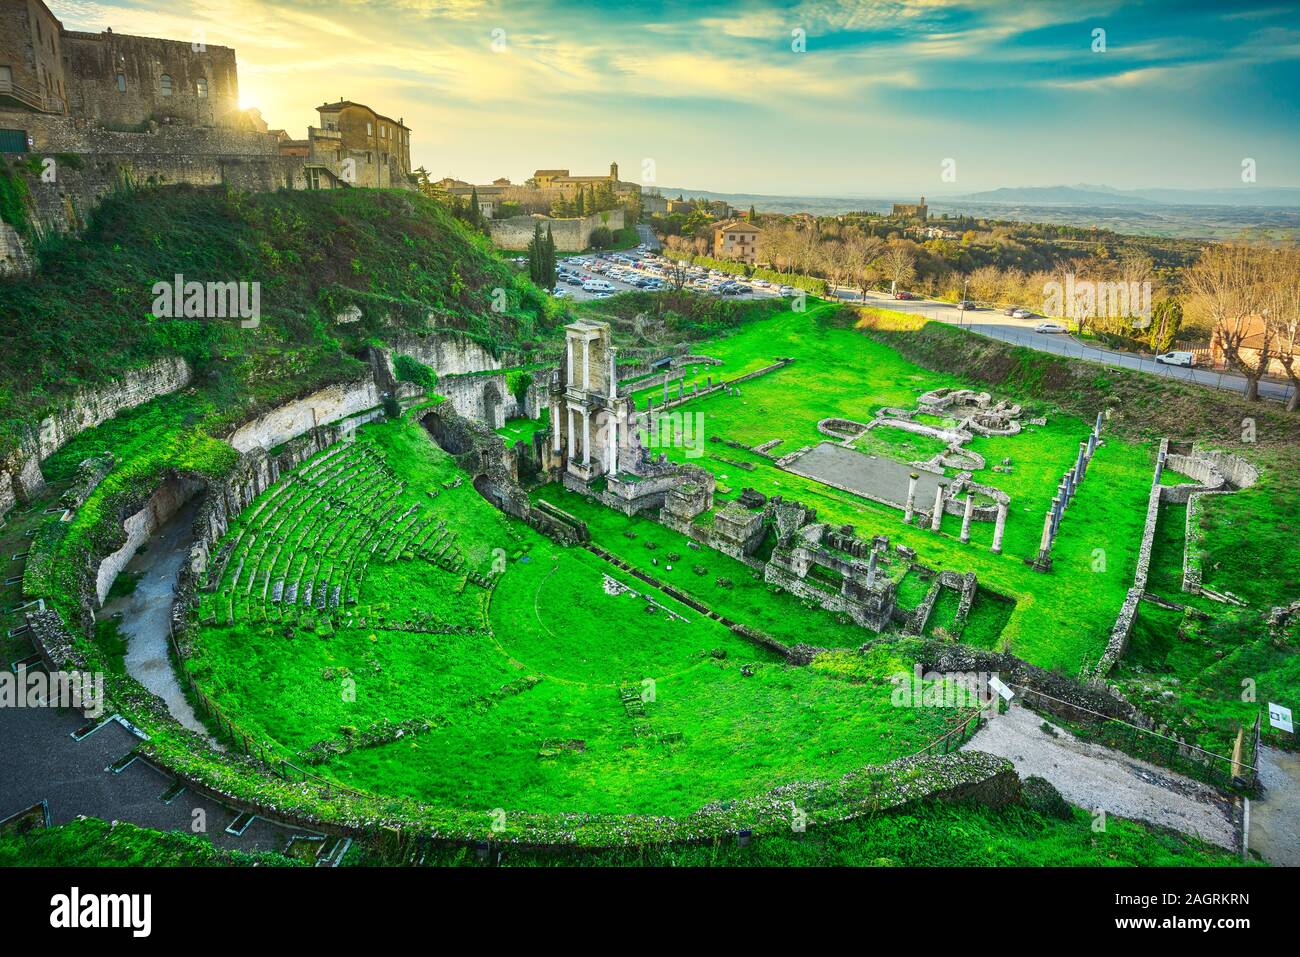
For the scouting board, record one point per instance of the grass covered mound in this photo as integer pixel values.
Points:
(408, 265)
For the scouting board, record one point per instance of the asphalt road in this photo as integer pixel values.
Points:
(1020, 332)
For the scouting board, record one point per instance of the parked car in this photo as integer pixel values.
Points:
(965, 304)
(904, 295)
(560, 292)
(1049, 327)
(597, 285)
(1176, 359)
(786, 291)
(1010, 310)
(1024, 314)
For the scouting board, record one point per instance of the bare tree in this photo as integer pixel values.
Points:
(1282, 315)
(860, 254)
(985, 284)
(1229, 291)
(899, 264)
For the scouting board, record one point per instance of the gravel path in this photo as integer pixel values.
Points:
(1095, 777)
(1275, 817)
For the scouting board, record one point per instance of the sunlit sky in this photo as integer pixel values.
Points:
(715, 97)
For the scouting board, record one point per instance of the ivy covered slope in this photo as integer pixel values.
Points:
(86, 315)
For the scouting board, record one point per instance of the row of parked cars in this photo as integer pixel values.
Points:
(642, 269)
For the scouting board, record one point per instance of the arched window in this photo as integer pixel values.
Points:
(166, 81)
(201, 86)
(121, 83)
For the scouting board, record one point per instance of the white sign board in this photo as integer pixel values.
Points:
(1001, 689)
(1280, 717)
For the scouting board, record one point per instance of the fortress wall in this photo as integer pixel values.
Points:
(571, 235)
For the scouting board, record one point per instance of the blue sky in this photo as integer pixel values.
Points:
(714, 96)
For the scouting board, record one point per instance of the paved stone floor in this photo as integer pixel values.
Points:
(879, 479)
(1275, 816)
(41, 761)
(1095, 777)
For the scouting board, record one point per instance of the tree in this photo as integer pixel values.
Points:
(753, 214)
(1166, 318)
(581, 204)
(475, 213)
(860, 255)
(548, 260)
(536, 253)
(899, 264)
(1228, 291)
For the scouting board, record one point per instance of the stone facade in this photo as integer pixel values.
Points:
(736, 240)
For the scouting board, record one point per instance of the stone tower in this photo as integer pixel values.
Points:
(613, 174)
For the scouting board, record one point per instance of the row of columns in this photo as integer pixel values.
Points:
(936, 517)
(1065, 495)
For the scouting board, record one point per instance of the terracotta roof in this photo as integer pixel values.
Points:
(339, 106)
(736, 225)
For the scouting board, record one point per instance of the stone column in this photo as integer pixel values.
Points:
(871, 569)
(1057, 507)
(965, 518)
(911, 499)
(665, 391)
(1096, 429)
(611, 426)
(586, 364)
(613, 374)
(555, 425)
(998, 527)
(1045, 543)
(569, 345)
(1092, 445)
(586, 437)
(573, 436)
(937, 518)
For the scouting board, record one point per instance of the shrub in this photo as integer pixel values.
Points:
(415, 371)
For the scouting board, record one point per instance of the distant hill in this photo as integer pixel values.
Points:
(1086, 195)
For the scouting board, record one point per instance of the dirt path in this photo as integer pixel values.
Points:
(1275, 816)
(1097, 778)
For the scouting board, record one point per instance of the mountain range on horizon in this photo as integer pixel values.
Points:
(1082, 194)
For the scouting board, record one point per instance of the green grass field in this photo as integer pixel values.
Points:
(1060, 619)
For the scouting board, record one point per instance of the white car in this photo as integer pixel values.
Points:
(786, 291)
(1025, 314)
(1049, 327)
(1176, 359)
(560, 293)
(597, 285)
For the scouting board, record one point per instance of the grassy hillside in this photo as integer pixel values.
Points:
(399, 257)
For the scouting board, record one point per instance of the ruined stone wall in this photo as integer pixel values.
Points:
(447, 353)
(86, 409)
(162, 505)
(292, 419)
(89, 163)
(1123, 628)
(482, 398)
